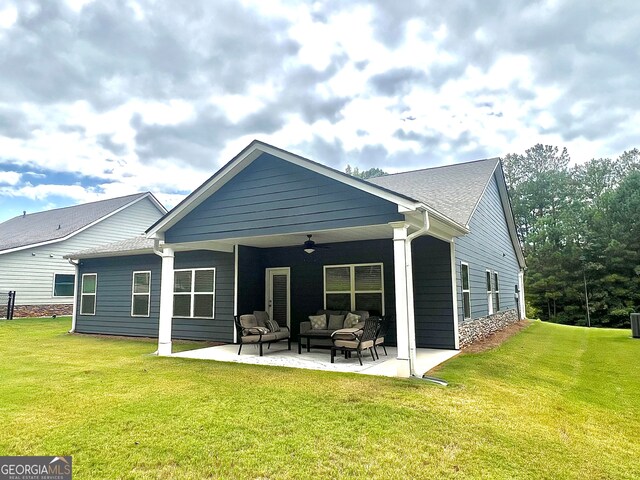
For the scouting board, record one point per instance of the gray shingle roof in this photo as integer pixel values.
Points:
(139, 244)
(452, 190)
(35, 228)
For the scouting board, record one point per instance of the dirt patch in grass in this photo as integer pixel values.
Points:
(492, 341)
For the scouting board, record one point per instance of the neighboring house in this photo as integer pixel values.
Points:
(434, 249)
(32, 247)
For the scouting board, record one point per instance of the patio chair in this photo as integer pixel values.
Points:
(349, 340)
(383, 328)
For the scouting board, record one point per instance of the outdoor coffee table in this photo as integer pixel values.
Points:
(308, 337)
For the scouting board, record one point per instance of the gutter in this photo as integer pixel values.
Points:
(74, 312)
(426, 224)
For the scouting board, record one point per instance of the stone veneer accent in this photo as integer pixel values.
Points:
(22, 311)
(473, 330)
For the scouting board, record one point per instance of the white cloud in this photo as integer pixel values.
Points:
(149, 96)
(9, 178)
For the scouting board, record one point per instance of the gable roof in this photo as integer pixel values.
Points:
(450, 193)
(56, 225)
(452, 190)
(257, 148)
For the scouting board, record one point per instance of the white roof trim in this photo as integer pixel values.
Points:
(80, 230)
(246, 157)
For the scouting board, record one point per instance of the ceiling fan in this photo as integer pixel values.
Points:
(310, 246)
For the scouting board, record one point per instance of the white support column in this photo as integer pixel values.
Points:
(166, 303)
(235, 289)
(454, 292)
(523, 313)
(402, 307)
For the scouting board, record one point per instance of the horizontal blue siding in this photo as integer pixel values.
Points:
(487, 247)
(273, 196)
(432, 293)
(113, 298)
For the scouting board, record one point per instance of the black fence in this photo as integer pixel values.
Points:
(7, 304)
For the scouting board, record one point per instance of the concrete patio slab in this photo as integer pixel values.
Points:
(319, 359)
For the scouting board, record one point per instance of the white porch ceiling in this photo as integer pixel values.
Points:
(350, 234)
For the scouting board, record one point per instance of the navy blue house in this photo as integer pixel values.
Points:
(434, 249)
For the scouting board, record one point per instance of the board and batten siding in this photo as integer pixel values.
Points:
(432, 295)
(487, 247)
(113, 297)
(273, 196)
(30, 272)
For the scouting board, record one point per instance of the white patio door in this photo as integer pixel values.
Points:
(278, 295)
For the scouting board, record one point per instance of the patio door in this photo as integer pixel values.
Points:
(278, 295)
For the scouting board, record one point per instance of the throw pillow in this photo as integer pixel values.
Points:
(336, 322)
(318, 322)
(272, 325)
(350, 320)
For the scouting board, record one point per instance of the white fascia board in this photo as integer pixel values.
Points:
(80, 230)
(246, 157)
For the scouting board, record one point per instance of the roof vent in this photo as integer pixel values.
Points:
(58, 226)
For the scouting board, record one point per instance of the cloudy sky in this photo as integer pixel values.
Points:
(106, 98)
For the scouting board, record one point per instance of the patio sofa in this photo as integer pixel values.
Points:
(322, 336)
(258, 328)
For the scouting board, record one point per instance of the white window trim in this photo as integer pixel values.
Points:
(94, 294)
(352, 280)
(53, 286)
(133, 293)
(193, 294)
(490, 305)
(496, 291)
(468, 290)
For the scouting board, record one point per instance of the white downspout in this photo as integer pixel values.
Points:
(74, 312)
(411, 317)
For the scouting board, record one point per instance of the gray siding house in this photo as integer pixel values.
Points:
(433, 249)
(32, 247)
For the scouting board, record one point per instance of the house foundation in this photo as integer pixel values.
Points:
(24, 311)
(471, 331)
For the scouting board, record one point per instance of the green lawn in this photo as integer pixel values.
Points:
(552, 402)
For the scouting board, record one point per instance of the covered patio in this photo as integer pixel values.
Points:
(319, 359)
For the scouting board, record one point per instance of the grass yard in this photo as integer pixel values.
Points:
(551, 402)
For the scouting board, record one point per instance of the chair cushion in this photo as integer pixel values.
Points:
(350, 320)
(261, 317)
(353, 344)
(318, 322)
(336, 322)
(280, 334)
(379, 340)
(346, 334)
(272, 325)
(248, 321)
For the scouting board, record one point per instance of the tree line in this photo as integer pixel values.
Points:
(580, 231)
